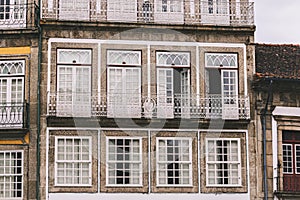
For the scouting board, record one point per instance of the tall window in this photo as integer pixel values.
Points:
(222, 85)
(124, 83)
(287, 153)
(74, 82)
(215, 11)
(124, 162)
(122, 10)
(12, 74)
(173, 84)
(174, 161)
(168, 11)
(73, 161)
(223, 162)
(11, 174)
(74, 9)
(291, 160)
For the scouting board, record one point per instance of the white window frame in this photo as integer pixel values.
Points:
(297, 159)
(226, 63)
(124, 105)
(74, 107)
(224, 59)
(171, 59)
(215, 12)
(229, 162)
(17, 10)
(122, 10)
(163, 164)
(74, 9)
(12, 96)
(165, 93)
(124, 57)
(169, 11)
(73, 161)
(11, 175)
(73, 58)
(166, 62)
(9, 73)
(130, 162)
(292, 159)
(170, 6)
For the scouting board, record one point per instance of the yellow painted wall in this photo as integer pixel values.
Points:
(14, 50)
(20, 141)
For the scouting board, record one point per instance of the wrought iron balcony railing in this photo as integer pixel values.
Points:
(18, 16)
(209, 12)
(156, 106)
(14, 115)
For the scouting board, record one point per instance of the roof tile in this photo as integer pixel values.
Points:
(277, 60)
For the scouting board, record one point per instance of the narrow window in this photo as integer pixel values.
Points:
(74, 82)
(12, 73)
(221, 83)
(124, 84)
(173, 84)
(287, 154)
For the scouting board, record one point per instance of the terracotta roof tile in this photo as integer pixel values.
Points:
(277, 60)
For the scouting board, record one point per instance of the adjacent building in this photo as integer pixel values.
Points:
(276, 89)
(147, 99)
(18, 99)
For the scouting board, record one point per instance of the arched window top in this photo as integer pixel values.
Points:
(122, 57)
(173, 59)
(12, 67)
(221, 59)
(74, 56)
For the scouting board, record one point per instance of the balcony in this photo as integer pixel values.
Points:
(209, 12)
(156, 106)
(288, 184)
(18, 16)
(14, 115)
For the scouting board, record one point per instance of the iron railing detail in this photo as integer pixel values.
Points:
(181, 12)
(155, 106)
(14, 115)
(19, 16)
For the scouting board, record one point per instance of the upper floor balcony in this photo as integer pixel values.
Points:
(187, 12)
(163, 106)
(18, 16)
(14, 115)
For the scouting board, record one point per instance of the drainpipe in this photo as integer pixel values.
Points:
(38, 164)
(263, 122)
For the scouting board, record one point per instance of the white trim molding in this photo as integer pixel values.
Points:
(286, 111)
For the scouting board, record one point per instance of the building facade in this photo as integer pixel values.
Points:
(18, 99)
(147, 99)
(276, 93)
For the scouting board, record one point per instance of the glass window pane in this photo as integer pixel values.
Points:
(174, 161)
(127, 161)
(73, 162)
(221, 153)
(11, 177)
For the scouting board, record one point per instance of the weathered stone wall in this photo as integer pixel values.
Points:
(92, 35)
(281, 93)
(25, 41)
